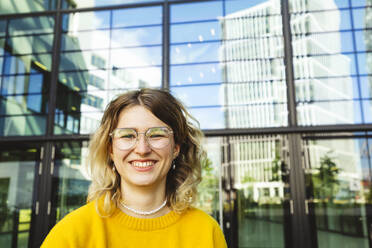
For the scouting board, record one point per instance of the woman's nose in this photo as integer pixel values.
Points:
(142, 146)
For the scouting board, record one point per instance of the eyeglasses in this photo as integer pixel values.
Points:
(126, 138)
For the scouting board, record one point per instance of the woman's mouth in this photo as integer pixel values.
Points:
(143, 165)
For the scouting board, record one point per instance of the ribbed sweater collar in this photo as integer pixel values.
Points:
(141, 224)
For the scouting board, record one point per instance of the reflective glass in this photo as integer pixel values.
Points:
(367, 110)
(25, 6)
(237, 5)
(134, 57)
(196, 32)
(71, 182)
(338, 179)
(136, 36)
(325, 64)
(129, 17)
(17, 182)
(209, 194)
(256, 181)
(22, 125)
(2, 47)
(195, 53)
(302, 6)
(25, 63)
(365, 85)
(82, 60)
(99, 39)
(244, 66)
(365, 63)
(196, 74)
(308, 90)
(198, 94)
(314, 22)
(31, 44)
(2, 27)
(67, 4)
(31, 25)
(361, 17)
(105, 53)
(209, 117)
(86, 21)
(363, 40)
(196, 11)
(328, 112)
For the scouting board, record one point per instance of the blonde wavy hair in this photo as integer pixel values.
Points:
(181, 185)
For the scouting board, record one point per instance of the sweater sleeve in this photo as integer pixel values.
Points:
(59, 236)
(219, 238)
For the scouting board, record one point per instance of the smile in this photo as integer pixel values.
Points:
(144, 164)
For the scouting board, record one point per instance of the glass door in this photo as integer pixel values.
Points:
(338, 191)
(256, 191)
(70, 181)
(19, 170)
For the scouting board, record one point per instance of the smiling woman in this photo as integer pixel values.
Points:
(145, 165)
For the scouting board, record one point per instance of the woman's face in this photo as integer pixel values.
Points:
(143, 165)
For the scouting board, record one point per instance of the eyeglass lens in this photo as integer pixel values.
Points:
(126, 138)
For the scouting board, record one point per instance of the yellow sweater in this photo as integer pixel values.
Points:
(85, 228)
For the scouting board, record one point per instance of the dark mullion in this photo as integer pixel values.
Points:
(288, 61)
(356, 63)
(54, 74)
(301, 236)
(165, 52)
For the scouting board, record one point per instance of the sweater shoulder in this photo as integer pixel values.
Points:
(80, 214)
(200, 217)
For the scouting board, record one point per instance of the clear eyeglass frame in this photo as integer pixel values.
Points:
(127, 138)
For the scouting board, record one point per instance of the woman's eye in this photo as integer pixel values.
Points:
(127, 136)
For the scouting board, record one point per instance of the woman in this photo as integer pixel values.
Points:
(144, 163)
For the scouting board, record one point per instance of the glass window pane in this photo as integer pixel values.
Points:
(3, 27)
(195, 53)
(327, 112)
(196, 11)
(71, 181)
(86, 21)
(129, 17)
(208, 189)
(195, 32)
(67, 4)
(99, 39)
(26, 63)
(82, 60)
(142, 56)
(17, 182)
(363, 40)
(209, 117)
(259, 191)
(365, 63)
(136, 36)
(238, 5)
(196, 74)
(25, 6)
(361, 18)
(198, 94)
(338, 179)
(245, 63)
(365, 85)
(31, 25)
(31, 44)
(22, 125)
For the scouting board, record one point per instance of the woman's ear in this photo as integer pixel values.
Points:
(176, 150)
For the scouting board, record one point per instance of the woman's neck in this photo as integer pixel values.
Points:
(143, 199)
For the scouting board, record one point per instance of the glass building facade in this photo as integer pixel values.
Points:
(282, 90)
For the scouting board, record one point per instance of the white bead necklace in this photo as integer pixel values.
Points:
(144, 212)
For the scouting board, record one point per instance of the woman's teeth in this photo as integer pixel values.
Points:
(142, 164)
